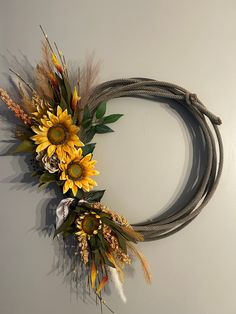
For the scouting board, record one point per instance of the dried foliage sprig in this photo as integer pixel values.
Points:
(18, 111)
(88, 76)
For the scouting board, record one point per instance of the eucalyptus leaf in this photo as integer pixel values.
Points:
(87, 114)
(112, 118)
(89, 135)
(66, 224)
(94, 196)
(88, 149)
(87, 123)
(79, 194)
(102, 128)
(101, 110)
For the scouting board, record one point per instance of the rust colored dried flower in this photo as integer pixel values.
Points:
(19, 112)
(83, 244)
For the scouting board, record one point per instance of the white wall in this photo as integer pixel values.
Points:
(191, 43)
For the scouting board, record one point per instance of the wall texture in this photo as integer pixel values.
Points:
(143, 164)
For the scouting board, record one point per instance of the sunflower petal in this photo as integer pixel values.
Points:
(51, 150)
(74, 189)
(59, 110)
(65, 187)
(42, 147)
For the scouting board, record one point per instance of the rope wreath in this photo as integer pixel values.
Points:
(56, 116)
(152, 89)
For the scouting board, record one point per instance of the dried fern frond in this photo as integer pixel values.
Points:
(43, 86)
(46, 57)
(89, 74)
(43, 71)
(26, 103)
(143, 262)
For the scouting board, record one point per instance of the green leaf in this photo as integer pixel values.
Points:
(78, 209)
(59, 79)
(92, 242)
(106, 260)
(63, 91)
(89, 135)
(88, 149)
(26, 146)
(116, 228)
(87, 123)
(97, 258)
(122, 242)
(94, 196)
(103, 215)
(63, 104)
(68, 91)
(103, 241)
(66, 224)
(87, 114)
(102, 128)
(112, 118)
(69, 231)
(60, 183)
(47, 177)
(79, 194)
(101, 110)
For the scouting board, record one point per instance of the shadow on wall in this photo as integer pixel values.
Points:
(66, 263)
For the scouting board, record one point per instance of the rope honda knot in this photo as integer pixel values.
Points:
(191, 98)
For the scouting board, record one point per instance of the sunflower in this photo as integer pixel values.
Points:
(42, 107)
(57, 134)
(88, 224)
(76, 172)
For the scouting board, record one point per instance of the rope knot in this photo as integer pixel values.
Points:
(190, 98)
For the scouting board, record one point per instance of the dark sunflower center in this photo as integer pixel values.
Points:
(57, 134)
(89, 224)
(75, 171)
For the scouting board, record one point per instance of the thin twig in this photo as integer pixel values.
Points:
(46, 37)
(104, 303)
(66, 69)
(21, 78)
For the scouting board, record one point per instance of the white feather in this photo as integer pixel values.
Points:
(118, 283)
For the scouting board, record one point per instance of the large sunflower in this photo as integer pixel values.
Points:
(76, 172)
(57, 134)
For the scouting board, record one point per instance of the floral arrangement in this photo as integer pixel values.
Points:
(56, 126)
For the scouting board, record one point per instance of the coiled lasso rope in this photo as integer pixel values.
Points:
(173, 221)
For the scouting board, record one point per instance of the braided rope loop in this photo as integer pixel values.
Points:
(173, 221)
